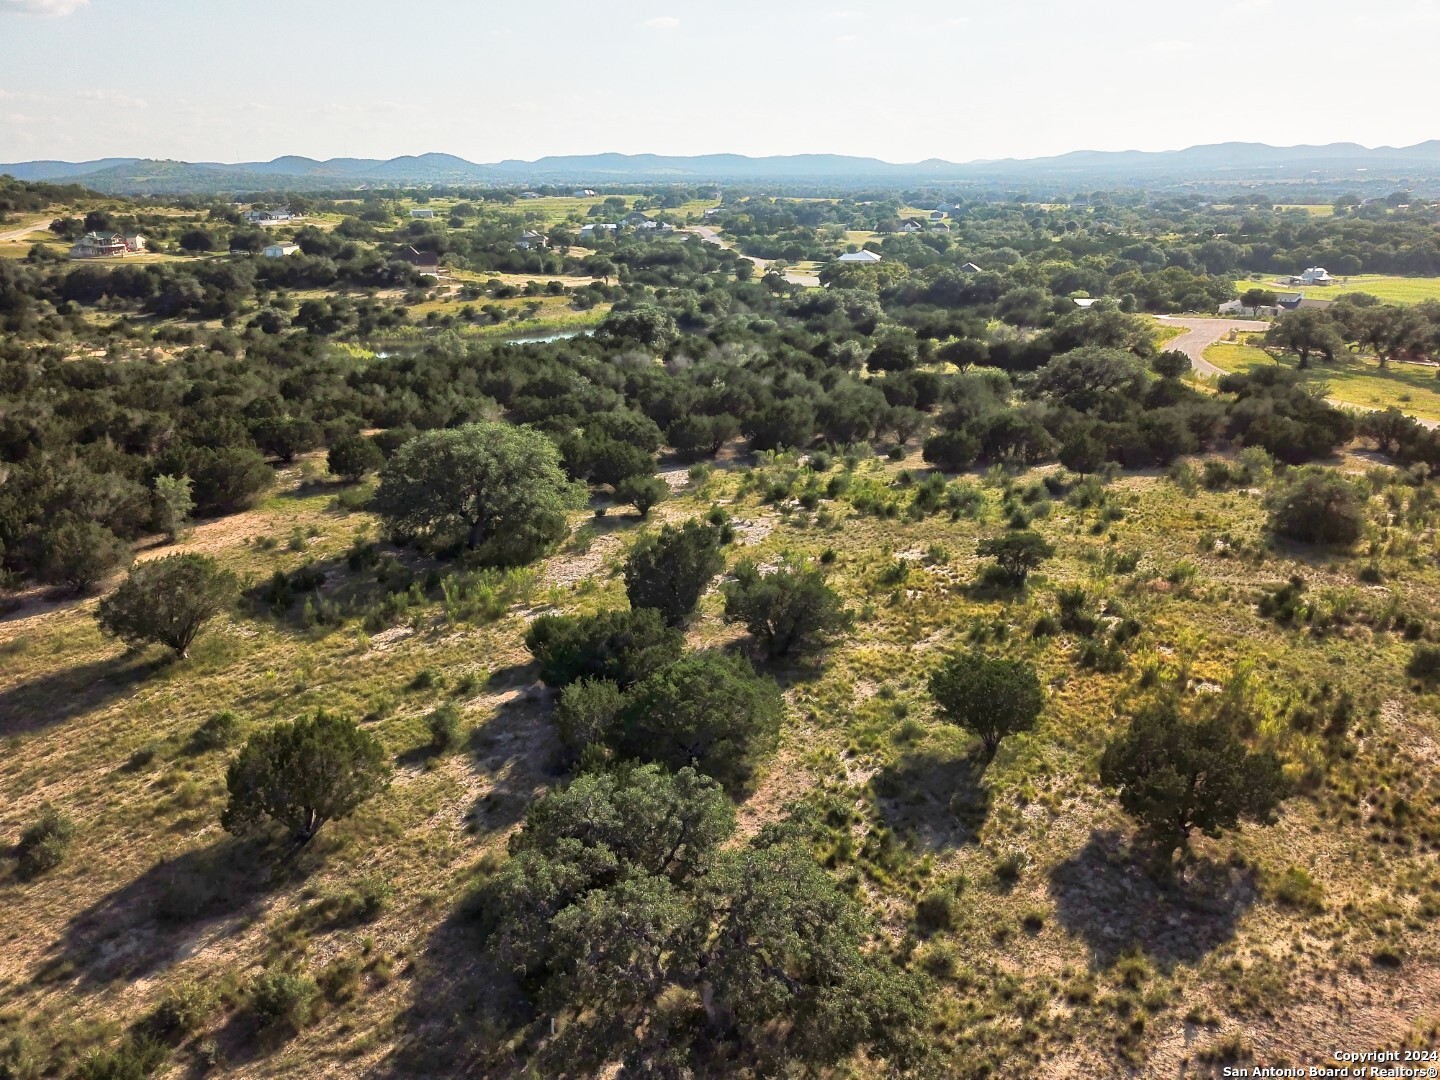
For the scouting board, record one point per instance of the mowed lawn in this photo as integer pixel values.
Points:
(1387, 287)
(1351, 380)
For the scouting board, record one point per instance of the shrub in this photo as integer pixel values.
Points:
(216, 733)
(622, 646)
(79, 553)
(1170, 364)
(642, 492)
(44, 844)
(789, 610)
(283, 1000)
(708, 710)
(138, 1057)
(444, 727)
(1016, 554)
(669, 571)
(183, 1010)
(586, 713)
(352, 456)
(167, 601)
(1317, 506)
(1424, 663)
(986, 696)
(951, 451)
(303, 774)
(935, 911)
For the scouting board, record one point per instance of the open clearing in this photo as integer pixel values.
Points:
(1389, 288)
(1351, 380)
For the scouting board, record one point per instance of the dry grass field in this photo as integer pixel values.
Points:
(1052, 952)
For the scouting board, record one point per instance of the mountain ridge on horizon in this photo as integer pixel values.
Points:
(1211, 161)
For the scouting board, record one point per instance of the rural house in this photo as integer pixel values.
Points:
(1237, 307)
(859, 257)
(1316, 275)
(427, 262)
(270, 217)
(531, 239)
(106, 245)
(422, 212)
(1296, 301)
(279, 251)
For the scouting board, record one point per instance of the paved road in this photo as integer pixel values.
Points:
(710, 236)
(1200, 334)
(16, 234)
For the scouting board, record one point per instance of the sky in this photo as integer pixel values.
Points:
(905, 80)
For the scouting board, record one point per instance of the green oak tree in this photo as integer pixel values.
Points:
(493, 487)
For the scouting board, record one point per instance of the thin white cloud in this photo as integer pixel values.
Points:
(662, 22)
(48, 8)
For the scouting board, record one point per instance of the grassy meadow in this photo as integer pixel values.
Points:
(1351, 380)
(1388, 288)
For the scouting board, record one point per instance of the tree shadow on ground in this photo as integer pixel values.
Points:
(1105, 895)
(519, 752)
(147, 924)
(935, 800)
(463, 1007)
(53, 699)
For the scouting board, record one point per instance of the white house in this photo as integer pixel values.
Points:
(270, 217)
(582, 193)
(422, 212)
(971, 268)
(531, 239)
(279, 251)
(859, 257)
(1316, 275)
(589, 232)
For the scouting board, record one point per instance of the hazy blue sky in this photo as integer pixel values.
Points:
(252, 79)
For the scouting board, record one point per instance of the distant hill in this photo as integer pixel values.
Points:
(1336, 163)
(60, 170)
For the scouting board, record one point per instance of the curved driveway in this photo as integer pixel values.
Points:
(1200, 334)
(710, 236)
